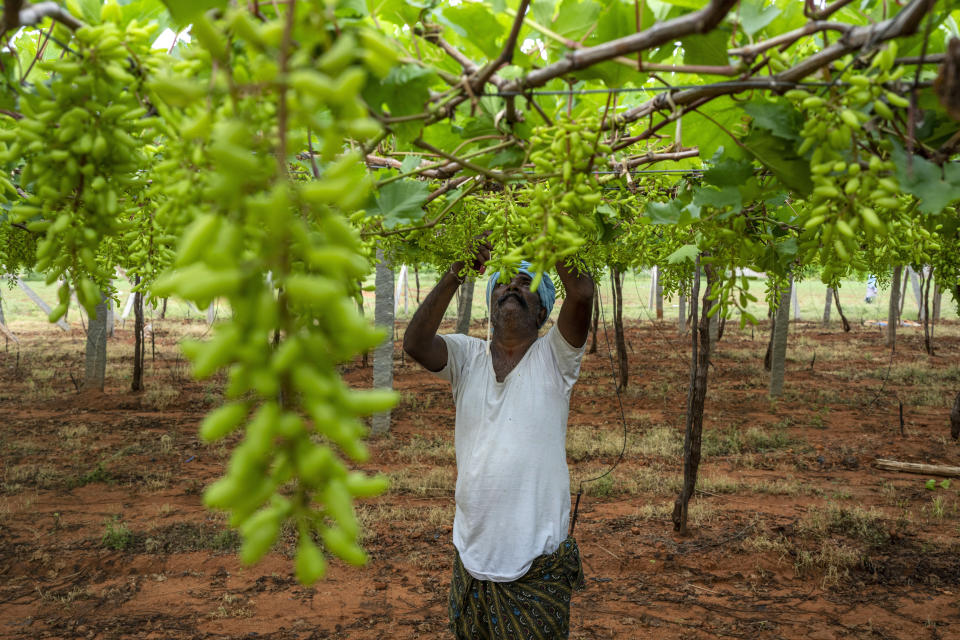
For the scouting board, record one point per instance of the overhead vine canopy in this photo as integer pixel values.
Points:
(259, 152)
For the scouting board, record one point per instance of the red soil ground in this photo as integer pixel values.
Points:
(797, 536)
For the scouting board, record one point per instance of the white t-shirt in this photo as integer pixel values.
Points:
(513, 486)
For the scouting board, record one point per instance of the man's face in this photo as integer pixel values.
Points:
(514, 301)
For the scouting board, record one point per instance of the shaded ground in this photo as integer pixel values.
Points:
(796, 535)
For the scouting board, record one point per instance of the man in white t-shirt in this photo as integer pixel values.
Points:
(514, 566)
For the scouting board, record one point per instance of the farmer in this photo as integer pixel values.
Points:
(514, 564)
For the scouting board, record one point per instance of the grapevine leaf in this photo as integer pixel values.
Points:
(701, 125)
(409, 163)
(728, 173)
(686, 253)
(88, 10)
(664, 212)
(542, 11)
(755, 16)
(686, 4)
(404, 91)
(473, 17)
(144, 11)
(780, 156)
(779, 118)
(617, 20)
(401, 202)
(719, 198)
(396, 11)
(183, 11)
(787, 249)
(351, 9)
(511, 157)
(934, 187)
(575, 17)
(708, 48)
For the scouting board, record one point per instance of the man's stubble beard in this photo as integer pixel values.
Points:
(522, 319)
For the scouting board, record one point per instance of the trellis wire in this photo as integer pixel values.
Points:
(772, 85)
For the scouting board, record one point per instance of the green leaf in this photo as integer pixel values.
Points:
(708, 48)
(575, 17)
(931, 484)
(779, 118)
(409, 163)
(780, 156)
(727, 197)
(351, 9)
(405, 91)
(787, 249)
(686, 253)
(401, 202)
(146, 11)
(945, 483)
(934, 187)
(664, 212)
(396, 11)
(183, 11)
(710, 137)
(617, 20)
(729, 173)
(688, 4)
(542, 11)
(755, 16)
(87, 10)
(475, 18)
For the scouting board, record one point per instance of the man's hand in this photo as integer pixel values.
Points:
(481, 249)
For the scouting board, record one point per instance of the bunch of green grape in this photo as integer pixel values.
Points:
(855, 188)
(552, 218)
(279, 248)
(79, 146)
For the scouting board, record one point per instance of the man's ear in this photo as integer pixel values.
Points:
(541, 316)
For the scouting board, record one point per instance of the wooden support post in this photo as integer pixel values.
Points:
(793, 301)
(893, 311)
(917, 292)
(682, 314)
(465, 306)
(383, 354)
(827, 306)
(37, 300)
(95, 365)
(779, 347)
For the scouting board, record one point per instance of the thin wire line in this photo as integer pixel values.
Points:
(613, 374)
(773, 83)
(770, 85)
(623, 418)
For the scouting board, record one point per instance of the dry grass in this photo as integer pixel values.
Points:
(423, 481)
(427, 449)
(411, 520)
(158, 398)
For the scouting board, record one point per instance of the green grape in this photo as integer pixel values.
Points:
(282, 253)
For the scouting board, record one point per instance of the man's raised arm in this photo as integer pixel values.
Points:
(421, 341)
(574, 319)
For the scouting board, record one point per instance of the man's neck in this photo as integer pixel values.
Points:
(509, 343)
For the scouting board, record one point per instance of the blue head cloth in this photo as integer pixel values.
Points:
(546, 290)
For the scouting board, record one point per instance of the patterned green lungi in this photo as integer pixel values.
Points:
(535, 606)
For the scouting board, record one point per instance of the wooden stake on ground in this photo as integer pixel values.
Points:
(918, 468)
